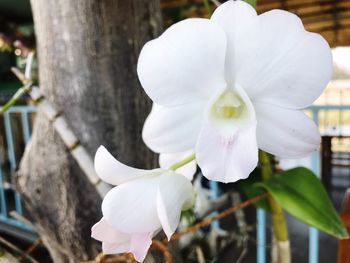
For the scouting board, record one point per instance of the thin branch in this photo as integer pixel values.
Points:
(31, 248)
(223, 214)
(18, 250)
(216, 204)
(163, 248)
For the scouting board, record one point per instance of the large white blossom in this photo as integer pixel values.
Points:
(234, 83)
(143, 203)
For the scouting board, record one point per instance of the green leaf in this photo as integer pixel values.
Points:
(301, 194)
(251, 2)
(249, 189)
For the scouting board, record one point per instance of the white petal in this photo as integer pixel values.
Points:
(168, 159)
(140, 245)
(226, 158)
(174, 193)
(285, 133)
(112, 171)
(131, 207)
(239, 21)
(103, 231)
(289, 66)
(173, 129)
(185, 64)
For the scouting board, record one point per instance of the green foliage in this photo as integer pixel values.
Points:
(301, 194)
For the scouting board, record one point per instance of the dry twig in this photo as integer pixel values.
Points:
(17, 249)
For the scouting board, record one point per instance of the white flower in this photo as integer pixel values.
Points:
(143, 203)
(234, 83)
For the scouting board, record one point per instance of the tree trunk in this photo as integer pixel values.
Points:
(87, 53)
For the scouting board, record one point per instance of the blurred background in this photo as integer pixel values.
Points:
(330, 18)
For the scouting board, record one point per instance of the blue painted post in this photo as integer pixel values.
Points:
(261, 236)
(12, 157)
(315, 166)
(215, 193)
(3, 210)
(25, 126)
(16, 109)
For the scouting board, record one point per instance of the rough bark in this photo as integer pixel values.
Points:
(87, 53)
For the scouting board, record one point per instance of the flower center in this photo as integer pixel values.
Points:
(228, 106)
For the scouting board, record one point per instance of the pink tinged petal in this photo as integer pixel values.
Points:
(239, 21)
(227, 158)
(131, 207)
(103, 231)
(175, 193)
(173, 129)
(113, 242)
(289, 66)
(112, 171)
(168, 159)
(140, 244)
(185, 64)
(285, 133)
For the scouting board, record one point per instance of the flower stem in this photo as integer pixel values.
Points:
(183, 162)
(279, 223)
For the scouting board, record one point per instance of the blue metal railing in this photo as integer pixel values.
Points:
(8, 193)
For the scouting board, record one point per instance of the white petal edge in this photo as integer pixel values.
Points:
(285, 133)
(126, 204)
(173, 129)
(185, 64)
(168, 159)
(175, 192)
(112, 171)
(103, 231)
